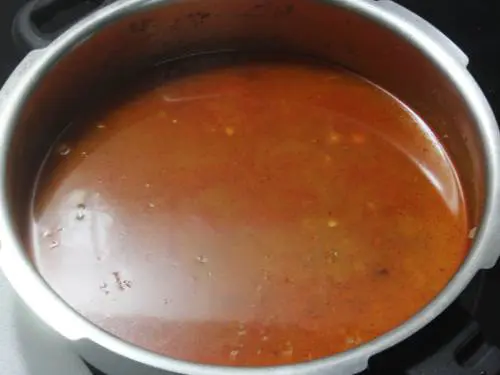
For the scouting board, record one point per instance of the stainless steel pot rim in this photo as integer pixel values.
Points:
(38, 295)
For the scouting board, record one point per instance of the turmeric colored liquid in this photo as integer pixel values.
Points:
(244, 210)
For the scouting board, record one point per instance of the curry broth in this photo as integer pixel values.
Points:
(248, 210)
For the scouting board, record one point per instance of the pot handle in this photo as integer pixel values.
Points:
(449, 46)
(30, 27)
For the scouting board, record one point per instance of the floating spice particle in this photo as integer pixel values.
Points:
(242, 331)
(101, 126)
(259, 351)
(151, 205)
(84, 154)
(147, 186)
(334, 137)
(121, 283)
(472, 233)
(353, 340)
(229, 131)
(383, 272)
(175, 121)
(104, 288)
(265, 338)
(288, 351)
(332, 256)
(80, 212)
(127, 284)
(234, 354)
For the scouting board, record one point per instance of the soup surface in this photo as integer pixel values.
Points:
(248, 210)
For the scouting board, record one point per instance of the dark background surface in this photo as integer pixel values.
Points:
(474, 25)
(8, 59)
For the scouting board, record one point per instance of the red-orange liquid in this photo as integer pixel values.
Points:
(249, 211)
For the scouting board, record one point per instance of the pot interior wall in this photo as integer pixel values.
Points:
(166, 29)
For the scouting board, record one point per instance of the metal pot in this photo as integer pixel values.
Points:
(378, 39)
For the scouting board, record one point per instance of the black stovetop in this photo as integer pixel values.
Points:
(465, 339)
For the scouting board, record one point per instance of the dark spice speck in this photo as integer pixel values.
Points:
(383, 272)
